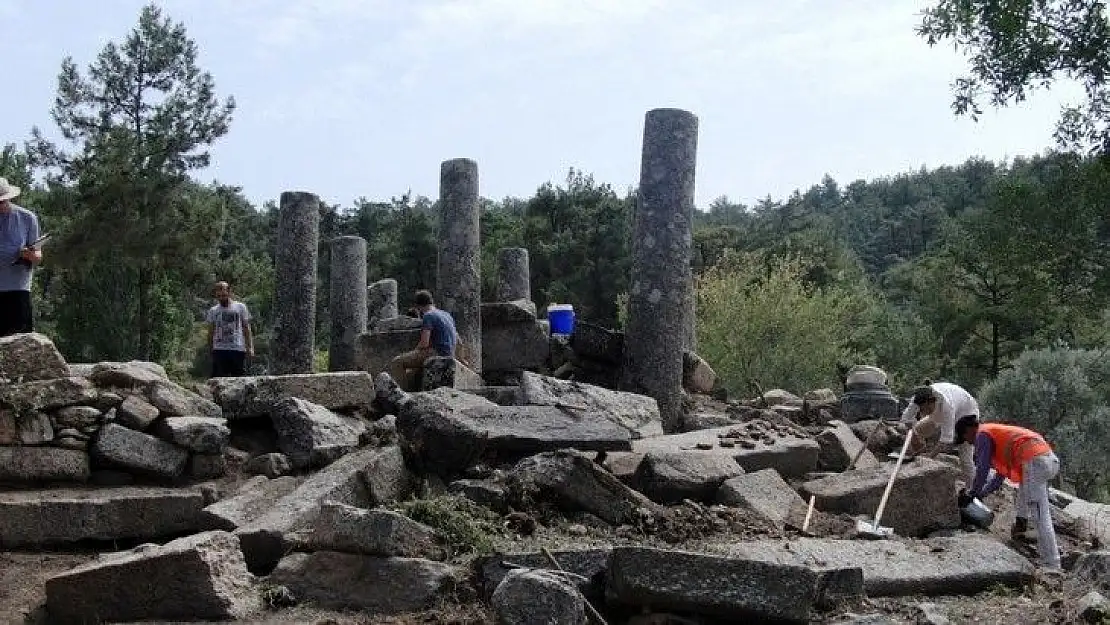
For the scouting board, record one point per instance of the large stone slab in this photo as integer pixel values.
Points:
(792, 455)
(125, 448)
(55, 517)
(529, 596)
(511, 346)
(40, 465)
(447, 431)
(24, 427)
(47, 394)
(202, 435)
(311, 435)
(576, 482)
(639, 414)
(128, 375)
(263, 539)
(669, 477)
(594, 342)
(839, 445)
(199, 577)
(371, 532)
(377, 349)
(764, 493)
(31, 356)
(738, 590)
(249, 397)
(505, 313)
(963, 565)
(173, 400)
(253, 499)
(382, 586)
(445, 371)
(591, 564)
(922, 500)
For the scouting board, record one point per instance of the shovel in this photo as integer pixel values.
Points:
(873, 529)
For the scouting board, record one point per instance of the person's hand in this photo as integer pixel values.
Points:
(28, 254)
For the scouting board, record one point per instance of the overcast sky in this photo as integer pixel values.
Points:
(365, 98)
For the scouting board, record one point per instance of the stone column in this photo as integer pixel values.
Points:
(381, 300)
(513, 279)
(458, 275)
(298, 236)
(348, 301)
(660, 298)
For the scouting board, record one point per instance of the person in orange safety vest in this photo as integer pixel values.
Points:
(1026, 459)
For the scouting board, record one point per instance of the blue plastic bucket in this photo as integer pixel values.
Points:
(561, 317)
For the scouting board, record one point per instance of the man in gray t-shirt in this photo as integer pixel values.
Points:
(438, 337)
(19, 229)
(229, 334)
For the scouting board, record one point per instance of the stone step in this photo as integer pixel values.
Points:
(792, 455)
(41, 518)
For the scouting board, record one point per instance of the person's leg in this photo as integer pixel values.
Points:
(219, 363)
(236, 364)
(26, 317)
(967, 462)
(1038, 472)
(399, 366)
(9, 313)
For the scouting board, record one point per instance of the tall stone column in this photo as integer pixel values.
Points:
(381, 300)
(347, 305)
(513, 279)
(660, 298)
(298, 236)
(458, 275)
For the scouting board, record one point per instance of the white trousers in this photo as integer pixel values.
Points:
(1032, 504)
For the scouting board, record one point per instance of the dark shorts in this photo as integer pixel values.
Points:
(228, 363)
(15, 312)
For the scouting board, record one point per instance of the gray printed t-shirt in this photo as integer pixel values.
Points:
(227, 326)
(18, 229)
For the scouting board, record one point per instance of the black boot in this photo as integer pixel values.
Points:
(1019, 531)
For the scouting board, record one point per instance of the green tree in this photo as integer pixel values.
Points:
(1017, 46)
(140, 120)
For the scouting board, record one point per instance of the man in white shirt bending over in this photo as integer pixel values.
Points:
(940, 405)
(229, 334)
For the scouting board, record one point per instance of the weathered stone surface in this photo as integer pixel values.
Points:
(595, 342)
(386, 478)
(1094, 568)
(458, 263)
(80, 369)
(788, 452)
(202, 435)
(528, 596)
(136, 413)
(192, 578)
(660, 297)
(174, 400)
(697, 375)
(263, 539)
(729, 588)
(513, 276)
(271, 465)
(341, 581)
(963, 565)
(298, 235)
(706, 420)
(132, 374)
(253, 500)
(395, 323)
(56, 517)
(377, 349)
(206, 466)
(521, 345)
(47, 394)
(372, 532)
(447, 431)
(442, 371)
(348, 307)
(764, 493)
(24, 427)
(500, 395)
(311, 435)
(31, 356)
(866, 405)
(76, 417)
(486, 493)
(1093, 607)
(639, 414)
(588, 564)
(839, 444)
(508, 312)
(125, 448)
(35, 465)
(668, 477)
(249, 397)
(576, 482)
(381, 300)
(922, 500)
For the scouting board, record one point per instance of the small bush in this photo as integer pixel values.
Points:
(466, 527)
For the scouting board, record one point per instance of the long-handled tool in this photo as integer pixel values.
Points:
(873, 529)
(866, 444)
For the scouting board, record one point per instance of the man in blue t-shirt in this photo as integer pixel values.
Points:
(19, 230)
(438, 337)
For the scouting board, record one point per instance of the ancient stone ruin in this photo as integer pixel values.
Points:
(602, 476)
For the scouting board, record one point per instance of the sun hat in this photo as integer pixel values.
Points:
(8, 190)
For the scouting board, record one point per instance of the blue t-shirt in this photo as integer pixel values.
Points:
(18, 229)
(442, 325)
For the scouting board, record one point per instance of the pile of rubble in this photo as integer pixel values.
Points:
(553, 501)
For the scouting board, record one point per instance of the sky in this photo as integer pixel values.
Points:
(365, 98)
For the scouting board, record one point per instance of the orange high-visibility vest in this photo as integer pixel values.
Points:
(1013, 447)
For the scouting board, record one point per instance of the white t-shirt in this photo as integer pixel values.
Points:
(227, 326)
(953, 402)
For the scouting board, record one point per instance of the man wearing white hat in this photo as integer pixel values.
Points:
(19, 229)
